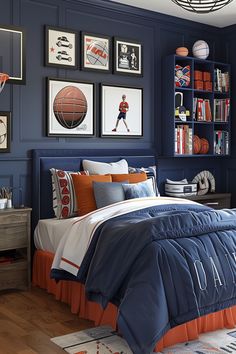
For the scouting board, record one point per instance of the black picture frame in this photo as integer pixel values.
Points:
(128, 57)
(57, 123)
(96, 52)
(5, 131)
(13, 64)
(61, 47)
(111, 99)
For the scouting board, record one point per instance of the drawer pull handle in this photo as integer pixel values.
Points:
(212, 203)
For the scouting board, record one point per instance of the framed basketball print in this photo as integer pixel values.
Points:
(70, 108)
(61, 47)
(122, 111)
(96, 52)
(5, 131)
(128, 57)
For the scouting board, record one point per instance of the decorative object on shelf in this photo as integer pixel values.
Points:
(200, 49)
(196, 144)
(180, 111)
(96, 52)
(182, 51)
(204, 146)
(61, 47)
(5, 131)
(122, 111)
(182, 76)
(202, 6)
(70, 108)
(180, 188)
(205, 181)
(12, 41)
(128, 57)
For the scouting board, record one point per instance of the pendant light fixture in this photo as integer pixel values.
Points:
(202, 6)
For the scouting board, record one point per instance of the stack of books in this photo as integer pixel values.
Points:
(202, 110)
(183, 140)
(221, 81)
(221, 109)
(221, 142)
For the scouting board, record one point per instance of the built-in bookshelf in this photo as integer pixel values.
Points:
(201, 90)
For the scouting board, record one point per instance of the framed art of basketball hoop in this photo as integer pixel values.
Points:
(128, 57)
(96, 52)
(12, 53)
(5, 131)
(70, 108)
(61, 47)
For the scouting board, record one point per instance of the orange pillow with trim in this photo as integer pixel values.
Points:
(84, 191)
(131, 177)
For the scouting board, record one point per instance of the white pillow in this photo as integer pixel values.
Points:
(103, 168)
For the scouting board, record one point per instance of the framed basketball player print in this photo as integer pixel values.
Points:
(122, 111)
(61, 47)
(96, 52)
(5, 131)
(128, 57)
(70, 108)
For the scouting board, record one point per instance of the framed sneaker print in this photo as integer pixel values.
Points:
(96, 52)
(122, 111)
(128, 57)
(5, 131)
(61, 47)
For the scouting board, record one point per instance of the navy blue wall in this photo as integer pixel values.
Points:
(160, 36)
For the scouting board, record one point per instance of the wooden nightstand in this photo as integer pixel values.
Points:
(214, 200)
(15, 248)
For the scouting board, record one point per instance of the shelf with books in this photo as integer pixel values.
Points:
(189, 88)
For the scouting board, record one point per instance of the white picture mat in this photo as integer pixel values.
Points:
(53, 39)
(86, 127)
(87, 41)
(139, 71)
(111, 98)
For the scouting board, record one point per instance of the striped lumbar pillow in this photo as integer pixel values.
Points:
(64, 198)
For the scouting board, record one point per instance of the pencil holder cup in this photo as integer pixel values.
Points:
(3, 203)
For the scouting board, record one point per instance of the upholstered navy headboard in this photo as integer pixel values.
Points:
(70, 160)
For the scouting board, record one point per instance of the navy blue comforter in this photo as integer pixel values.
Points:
(162, 266)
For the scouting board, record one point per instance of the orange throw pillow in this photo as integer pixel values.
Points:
(84, 191)
(131, 177)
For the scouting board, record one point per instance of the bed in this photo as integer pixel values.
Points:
(73, 292)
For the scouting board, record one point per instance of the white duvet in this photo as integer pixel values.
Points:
(77, 238)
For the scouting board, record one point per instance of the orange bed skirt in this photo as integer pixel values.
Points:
(73, 294)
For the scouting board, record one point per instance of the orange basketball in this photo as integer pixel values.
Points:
(182, 51)
(70, 107)
(204, 146)
(196, 144)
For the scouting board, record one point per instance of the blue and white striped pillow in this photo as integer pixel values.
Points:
(151, 174)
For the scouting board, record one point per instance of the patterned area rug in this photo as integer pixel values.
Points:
(103, 340)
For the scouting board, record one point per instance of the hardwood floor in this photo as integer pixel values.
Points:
(29, 319)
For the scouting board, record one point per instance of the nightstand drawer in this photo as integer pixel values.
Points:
(216, 204)
(13, 236)
(14, 275)
(13, 218)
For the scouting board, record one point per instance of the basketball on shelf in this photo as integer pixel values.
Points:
(70, 107)
(200, 49)
(182, 51)
(196, 144)
(97, 53)
(204, 146)
(3, 78)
